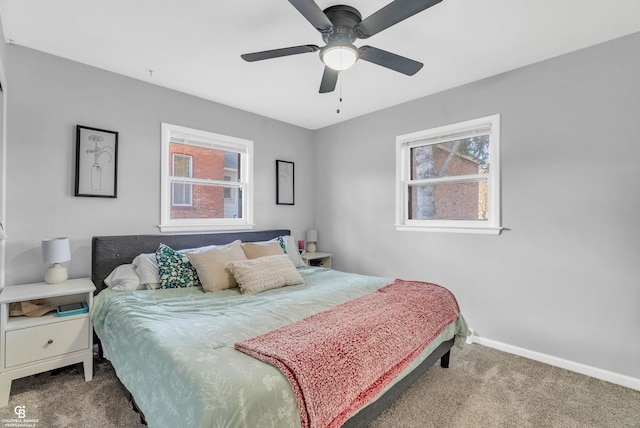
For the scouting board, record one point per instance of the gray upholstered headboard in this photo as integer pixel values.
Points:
(108, 252)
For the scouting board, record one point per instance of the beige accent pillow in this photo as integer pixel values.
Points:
(253, 250)
(265, 273)
(211, 266)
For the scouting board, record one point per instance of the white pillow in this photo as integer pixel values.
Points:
(147, 268)
(291, 249)
(124, 278)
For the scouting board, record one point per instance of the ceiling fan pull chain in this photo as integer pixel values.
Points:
(339, 98)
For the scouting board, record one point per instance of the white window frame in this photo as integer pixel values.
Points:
(404, 143)
(245, 183)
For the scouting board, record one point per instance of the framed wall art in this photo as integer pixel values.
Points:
(285, 194)
(96, 162)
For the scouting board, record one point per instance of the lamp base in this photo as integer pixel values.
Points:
(56, 274)
(311, 247)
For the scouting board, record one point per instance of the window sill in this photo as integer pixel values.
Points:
(448, 229)
(203, 228)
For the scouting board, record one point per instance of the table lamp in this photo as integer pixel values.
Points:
(312, 238)
(56, 251)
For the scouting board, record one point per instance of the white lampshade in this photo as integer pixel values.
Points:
(339, 57)
(56, 251)
(312, 238)
(312, 235)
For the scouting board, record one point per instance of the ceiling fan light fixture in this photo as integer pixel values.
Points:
(339, 57)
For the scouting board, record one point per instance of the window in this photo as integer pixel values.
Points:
(181, 192)
(227, 191)
(206, 181)
(448, 178)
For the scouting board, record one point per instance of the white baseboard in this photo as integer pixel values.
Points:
(618, 379)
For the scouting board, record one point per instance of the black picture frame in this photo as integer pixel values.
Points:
(96, 162)
(285, 183)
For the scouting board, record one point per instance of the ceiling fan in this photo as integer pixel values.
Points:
(340, 26)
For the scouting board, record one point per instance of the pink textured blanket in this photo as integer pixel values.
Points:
(340, 359)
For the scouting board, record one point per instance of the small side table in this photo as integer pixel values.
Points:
(31, 345)
(317, 259)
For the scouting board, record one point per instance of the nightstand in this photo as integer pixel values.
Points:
(31, 345)
(317, 259)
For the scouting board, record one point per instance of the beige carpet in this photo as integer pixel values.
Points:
(482, 388)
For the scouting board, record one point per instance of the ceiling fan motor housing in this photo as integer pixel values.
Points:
(344, 19)
(340, 37)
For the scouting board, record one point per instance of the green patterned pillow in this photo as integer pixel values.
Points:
(174, 269)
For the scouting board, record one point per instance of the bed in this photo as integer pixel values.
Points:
(177, 350)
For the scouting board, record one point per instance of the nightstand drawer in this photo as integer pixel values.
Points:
(50, 340)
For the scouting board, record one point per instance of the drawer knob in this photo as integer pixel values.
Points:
(50, 341)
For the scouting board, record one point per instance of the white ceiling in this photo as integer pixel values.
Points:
(194, 46)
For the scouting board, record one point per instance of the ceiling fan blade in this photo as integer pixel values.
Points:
(329, 80)
(390, 60)
(391, 14)
(275, 53)
(312, 12)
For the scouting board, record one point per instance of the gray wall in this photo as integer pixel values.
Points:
(564, 279)
(49, 96)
